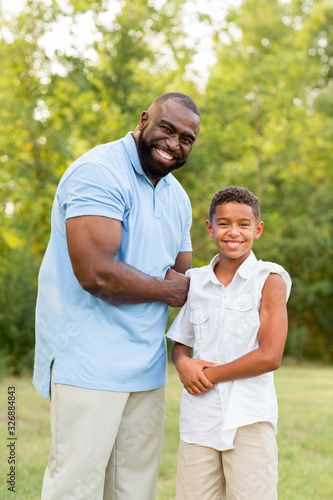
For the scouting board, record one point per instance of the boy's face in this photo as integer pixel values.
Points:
(234, 227)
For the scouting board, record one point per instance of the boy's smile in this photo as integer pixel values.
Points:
(234, 227)
(233, 244)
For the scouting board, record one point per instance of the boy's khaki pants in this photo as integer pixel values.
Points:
(105, 445)
(248, 472)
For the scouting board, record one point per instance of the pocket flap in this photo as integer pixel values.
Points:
(242, 303)
(199, 316)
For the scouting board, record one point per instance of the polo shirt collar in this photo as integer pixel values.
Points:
(245, 269)
(133, 154)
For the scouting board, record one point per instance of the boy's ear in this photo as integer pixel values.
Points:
(209, 229)
(260, 228)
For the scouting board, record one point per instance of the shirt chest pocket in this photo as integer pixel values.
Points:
(200, 320)
(243, 315)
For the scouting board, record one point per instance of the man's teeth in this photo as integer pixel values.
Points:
(164, 155)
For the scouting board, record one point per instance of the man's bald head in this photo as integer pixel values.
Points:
(184, 99)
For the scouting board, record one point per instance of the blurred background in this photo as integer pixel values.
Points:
(77, 73)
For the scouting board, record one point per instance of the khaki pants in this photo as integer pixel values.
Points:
(105, 445)
(248, 472)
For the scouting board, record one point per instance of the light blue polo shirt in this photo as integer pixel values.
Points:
(98, 345)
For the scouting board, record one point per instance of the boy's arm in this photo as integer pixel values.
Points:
(271, 338)
(183, 262)
(191, 370)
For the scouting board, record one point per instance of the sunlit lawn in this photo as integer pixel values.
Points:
(305, 441)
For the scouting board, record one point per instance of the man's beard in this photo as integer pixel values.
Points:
(150, 167)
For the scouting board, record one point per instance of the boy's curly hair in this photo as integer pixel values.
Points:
(234, 194)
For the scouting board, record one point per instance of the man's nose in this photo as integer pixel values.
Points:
(173, 142)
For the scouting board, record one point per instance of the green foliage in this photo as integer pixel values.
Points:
(18, 284)
(266, 124)
(265, 127)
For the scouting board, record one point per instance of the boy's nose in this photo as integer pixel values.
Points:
(234, 230)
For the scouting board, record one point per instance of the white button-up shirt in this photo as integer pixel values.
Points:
(221, 324)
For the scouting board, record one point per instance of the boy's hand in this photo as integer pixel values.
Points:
(191, 373)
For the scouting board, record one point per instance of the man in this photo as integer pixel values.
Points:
(115, 261)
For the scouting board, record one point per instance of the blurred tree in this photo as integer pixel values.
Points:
(266, 124)
(266, 128)
(55, 106)
(26, 173)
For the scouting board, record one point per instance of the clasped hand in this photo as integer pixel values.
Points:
(191, 373)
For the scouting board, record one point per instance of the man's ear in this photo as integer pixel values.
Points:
(209, 229)
(143, 120)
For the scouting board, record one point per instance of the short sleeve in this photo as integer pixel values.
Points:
(92, 189)
(272, 268)
(186, 245)
(181, 329)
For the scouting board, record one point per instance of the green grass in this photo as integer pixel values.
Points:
(305, 441)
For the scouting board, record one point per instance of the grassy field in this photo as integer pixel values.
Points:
(305, 441)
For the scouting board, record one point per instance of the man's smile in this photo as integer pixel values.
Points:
(166, 157)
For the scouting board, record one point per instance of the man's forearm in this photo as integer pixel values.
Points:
(93, 243)
(122, 283)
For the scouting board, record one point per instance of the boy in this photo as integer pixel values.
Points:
(235, 320)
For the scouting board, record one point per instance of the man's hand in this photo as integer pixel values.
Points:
(179, 285)
(93, 243)
(191, 373)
